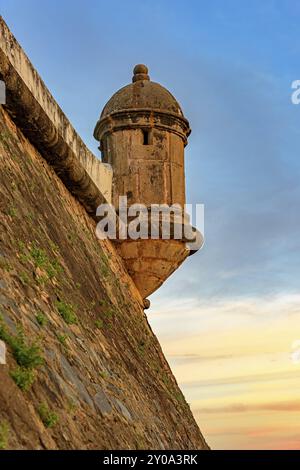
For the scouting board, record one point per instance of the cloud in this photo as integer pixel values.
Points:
(243, 379)
(193, 358)
(180, 318)
(291, 406)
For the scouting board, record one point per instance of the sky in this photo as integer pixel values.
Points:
(228, 319)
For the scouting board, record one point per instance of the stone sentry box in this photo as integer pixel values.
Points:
(142, 133)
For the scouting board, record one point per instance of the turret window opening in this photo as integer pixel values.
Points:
(146, 137)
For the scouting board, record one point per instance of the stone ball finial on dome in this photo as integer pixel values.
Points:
(140, 72)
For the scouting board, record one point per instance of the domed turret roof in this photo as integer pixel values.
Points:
(142, 94)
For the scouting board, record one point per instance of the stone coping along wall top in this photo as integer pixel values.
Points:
(37, 114)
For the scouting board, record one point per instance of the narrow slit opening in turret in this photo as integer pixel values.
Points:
(146, 137)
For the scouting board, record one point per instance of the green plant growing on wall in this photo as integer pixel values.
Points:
(71, 406)
(25, 279)
(99, 323)
(104, 374)
(21, 246)
(27, 355)
(11, 211)
(67, 312)
(109, 313)
(104, 268)
(39, 256)
(4, 434)
(41, 260)
(41, 319)
(41, 280)
(23, 377)
(30, 216)
(48, 417)
(5, 265)
(62, 339)
(54, 247)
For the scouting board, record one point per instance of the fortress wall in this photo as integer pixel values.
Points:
(100, 370)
